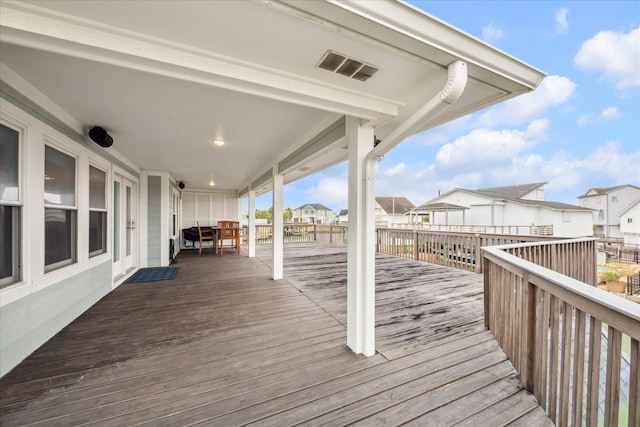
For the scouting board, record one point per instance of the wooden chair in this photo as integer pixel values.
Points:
(206, 235)
(228, 236)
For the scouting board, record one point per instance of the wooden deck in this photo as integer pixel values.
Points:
(224, 345)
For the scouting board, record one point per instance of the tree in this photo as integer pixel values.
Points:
(267, 214)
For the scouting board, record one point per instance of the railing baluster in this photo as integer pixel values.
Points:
(593, 383)
(612, 391)
(565, 363)
(634, 379)
(578, 365)
(554, 358)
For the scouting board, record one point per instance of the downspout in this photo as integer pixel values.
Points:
(450, 93)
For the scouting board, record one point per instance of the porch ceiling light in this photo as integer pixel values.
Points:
(219, 142)
(211, 183)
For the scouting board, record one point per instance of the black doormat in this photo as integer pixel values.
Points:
(154, 274)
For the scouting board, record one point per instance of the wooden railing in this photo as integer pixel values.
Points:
(519, 230)
(551, 328)
(303, 233)
(456, 250)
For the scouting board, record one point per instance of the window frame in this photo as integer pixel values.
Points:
(104, 211)
(17, 210)
(73, 209)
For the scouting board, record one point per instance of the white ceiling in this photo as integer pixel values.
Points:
(166, 78)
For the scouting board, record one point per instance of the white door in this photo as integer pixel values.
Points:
(125, 221)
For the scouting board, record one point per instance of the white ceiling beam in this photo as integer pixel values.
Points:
(33, 27)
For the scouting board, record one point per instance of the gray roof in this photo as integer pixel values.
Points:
(440, 207)
(395, 205)
(514, 193)
(344, 212)
(604, 190)
(316, 206)
(508, 192)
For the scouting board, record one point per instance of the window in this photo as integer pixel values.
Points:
(601, 215)
(10, 218)
(614, 199)
(97, 211)
(585, 202)
(566, 216)
(598, 200)
(629, 220)
(60, 209)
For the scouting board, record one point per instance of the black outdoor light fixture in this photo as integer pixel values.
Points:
(100, 137)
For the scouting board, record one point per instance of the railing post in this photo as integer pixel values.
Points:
(487, 293)
(415, 245)
(478, 258)
(529, 331)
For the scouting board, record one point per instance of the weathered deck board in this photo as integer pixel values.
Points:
(224, 345)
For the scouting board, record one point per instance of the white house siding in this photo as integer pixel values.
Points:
(630, 224)
(608, 222)
(485, 211)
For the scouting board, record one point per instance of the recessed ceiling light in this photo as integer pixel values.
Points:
(211, 183)
(219, 142)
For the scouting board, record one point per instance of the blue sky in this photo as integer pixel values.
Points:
(580, 129)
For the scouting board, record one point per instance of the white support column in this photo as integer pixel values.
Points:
(277, 223)
(251, 225)
(361, 246)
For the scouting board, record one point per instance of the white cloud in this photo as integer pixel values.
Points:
(616, 54)
(396, 170)
(610, 113)
(561, 20)
(329, 191)
(553, 91)
(491, 33)
(584, 119)
(483, 149)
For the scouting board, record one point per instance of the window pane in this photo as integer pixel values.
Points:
(116, 221)
(59, 237)
(97, 192)
(8, 164)
(9, 244)
(97, 232)
(59, 178)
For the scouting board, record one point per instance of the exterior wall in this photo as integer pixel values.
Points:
(31, 321)
(630, 225)
(206, 208)
(608, 208)
(40, 303)
(154, 220)
(310, 215)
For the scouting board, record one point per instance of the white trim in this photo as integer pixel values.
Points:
(361, 241)
(277, 226)
(43, 29)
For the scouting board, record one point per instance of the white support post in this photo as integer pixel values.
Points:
(361, 245)
(251, 225)
(277, 223)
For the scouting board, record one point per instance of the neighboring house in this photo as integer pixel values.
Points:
(607, 204)
(392, 210)
(630, 223)
(514, 205)
(313, 213)
(343, 216)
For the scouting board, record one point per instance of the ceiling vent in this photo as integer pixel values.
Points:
(349, 67)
